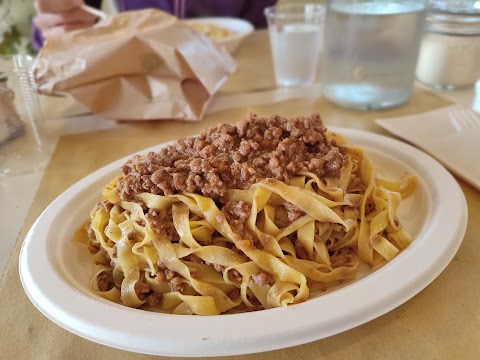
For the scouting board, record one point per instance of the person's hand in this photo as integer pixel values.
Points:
(55, 17)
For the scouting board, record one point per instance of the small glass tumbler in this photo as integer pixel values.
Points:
(370, 51)
(24, 145)
(295, 39)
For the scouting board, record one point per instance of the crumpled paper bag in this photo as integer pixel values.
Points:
(138, 65)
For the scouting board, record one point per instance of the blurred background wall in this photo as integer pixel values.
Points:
(16, 18)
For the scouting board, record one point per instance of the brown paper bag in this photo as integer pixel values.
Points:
(138, 65)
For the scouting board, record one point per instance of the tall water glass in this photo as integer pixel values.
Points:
(295, 39)
(370, 51)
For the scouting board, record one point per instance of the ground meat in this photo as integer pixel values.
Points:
(237, 213)
(234, 294)
(369, 206)
(154, 299)
(169, 274)
(165, 274)
(234, 157)
(142, 288)
(237, 210)
(300, 251)
(333, 162)
(396, 222)
(107, 205)
(105, 281)
(256, 305)
(131, 235)
(262, 279)
(342, 257)
(145, 293)
(160, 277)
(163, 226)
(218, 267)
(91, 234)
(293, 212)
(176, 284)
(235, 275)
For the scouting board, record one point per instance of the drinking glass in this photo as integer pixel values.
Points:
(24, 145)
(370, 51)
(295, 39)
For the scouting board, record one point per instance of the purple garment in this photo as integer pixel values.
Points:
(251, 10)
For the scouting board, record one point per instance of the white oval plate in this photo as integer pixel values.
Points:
(55, 271)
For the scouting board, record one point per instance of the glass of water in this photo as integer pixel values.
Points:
(295, 39)
(370, 51)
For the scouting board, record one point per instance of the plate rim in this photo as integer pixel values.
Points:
(233, 341)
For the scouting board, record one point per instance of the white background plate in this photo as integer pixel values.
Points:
(55, 271)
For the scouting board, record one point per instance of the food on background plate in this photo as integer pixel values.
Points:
(213, 31)
(242, 218)
(224, 31)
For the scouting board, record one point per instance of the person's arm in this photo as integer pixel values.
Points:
(55, 17)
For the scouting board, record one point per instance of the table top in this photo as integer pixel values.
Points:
(441, 322)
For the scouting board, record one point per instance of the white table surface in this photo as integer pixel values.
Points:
(18, 192)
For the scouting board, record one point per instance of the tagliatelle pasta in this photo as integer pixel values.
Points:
(257, 241)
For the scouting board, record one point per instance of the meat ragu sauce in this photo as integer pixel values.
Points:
(234, 157)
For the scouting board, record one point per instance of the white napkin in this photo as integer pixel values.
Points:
(434, 132)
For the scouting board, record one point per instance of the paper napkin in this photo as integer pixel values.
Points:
(435, 133)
